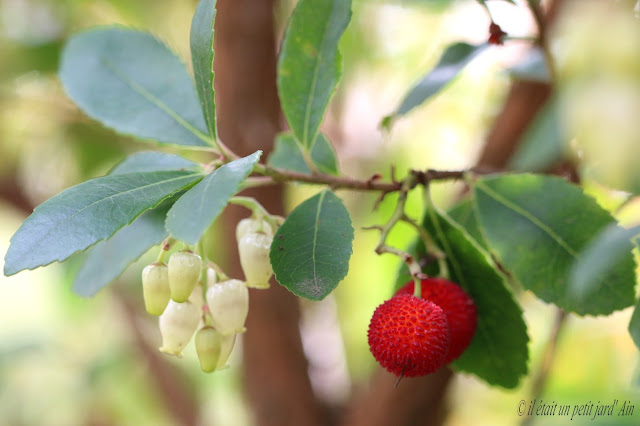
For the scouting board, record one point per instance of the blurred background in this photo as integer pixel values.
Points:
(66, 360)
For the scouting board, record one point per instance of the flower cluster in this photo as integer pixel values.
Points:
(195, 297)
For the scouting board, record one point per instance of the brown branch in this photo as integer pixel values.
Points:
(275, 368)
(543, 41)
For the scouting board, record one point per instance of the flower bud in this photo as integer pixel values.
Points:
(213, 349)
(184, 271)
(212, 277)
(177, 324)
(251, 225)
(228, 303)
(253, 249)
(155, 288)
(197, 297)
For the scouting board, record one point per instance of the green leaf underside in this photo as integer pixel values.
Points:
(92, 211)
(543, 142)
(153, 161)
(132, 83)
(287, 155)
(453, 60)
(311, 250)
(607, 254)
(498, 353)
(309, 65)
(196, 210)
(538, 226)
(202, 58)
(108, 259)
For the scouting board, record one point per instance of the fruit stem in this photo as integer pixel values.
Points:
(417, 287)
(398, 215)
(166, 246)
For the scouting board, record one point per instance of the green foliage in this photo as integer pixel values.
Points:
(196, 210)
(464, 214)
(498, 353)
(538, 226)
(132, 83)
(309, 66)
(453, 60)
(311, 250)
(82, 215)
(607, 254)
(543, 143)
(634, 325)
(154, 161)
(202, 59)
(288, 155)
(108, 259)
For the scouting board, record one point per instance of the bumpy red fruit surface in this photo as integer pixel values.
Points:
(409, 336)
(457, 306)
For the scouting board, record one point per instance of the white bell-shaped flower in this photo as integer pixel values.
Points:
(213, 348)
(197, 296)
(177, 324)
(155, 288)
(228, 303)
(252, 225)
(184, 271)
(253, 249)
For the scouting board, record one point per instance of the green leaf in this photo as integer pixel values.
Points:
(196, 210)
(464, 215)
(311, 250)
(202, 59)
(498, 353)
(453, 60)
(543, 143)
(309, 66)
(288, 155)
(324, 156)
(153, 161)
(607, 254)
(132, 83)
(108, 259)
(634, 325)
(82, 215)
(538, 227)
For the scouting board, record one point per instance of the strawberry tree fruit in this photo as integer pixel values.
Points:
(252, 225)
(228, 303)
(184, 271)
(213, 348)
(457, 306)
(253, 249)
(409, 336)
(177, 324)
(155, 288)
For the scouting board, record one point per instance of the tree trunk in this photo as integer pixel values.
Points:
(275, 368)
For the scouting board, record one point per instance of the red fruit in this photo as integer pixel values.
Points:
(409, 336)
(457, 306)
